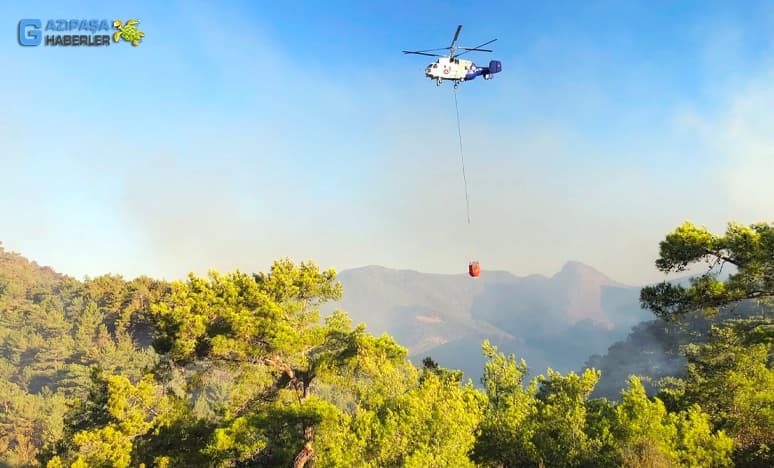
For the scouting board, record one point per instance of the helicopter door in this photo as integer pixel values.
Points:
(456, 70)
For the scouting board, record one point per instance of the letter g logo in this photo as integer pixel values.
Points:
(29, 32)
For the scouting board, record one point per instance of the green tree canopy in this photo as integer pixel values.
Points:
(749, 250)
(730, 375)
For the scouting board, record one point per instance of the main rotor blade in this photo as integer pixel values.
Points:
(481, 45)
(456, 35)
(432, 50)
(421, 53)
(470, 49)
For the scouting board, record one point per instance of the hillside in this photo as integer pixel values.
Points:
(556, 321)
(654, 349)
(54, 330)
(18, 275)
(238, 369)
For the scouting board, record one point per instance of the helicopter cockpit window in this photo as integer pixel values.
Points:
(435, 65)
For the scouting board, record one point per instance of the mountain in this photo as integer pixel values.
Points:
(556, 321)
(559, 321)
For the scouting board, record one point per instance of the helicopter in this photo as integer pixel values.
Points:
(450, 67)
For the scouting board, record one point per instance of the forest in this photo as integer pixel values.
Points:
(242, 369)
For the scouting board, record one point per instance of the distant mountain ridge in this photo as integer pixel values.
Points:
(557, 321)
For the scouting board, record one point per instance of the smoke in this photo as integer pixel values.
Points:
(742, 136)
(251, 154)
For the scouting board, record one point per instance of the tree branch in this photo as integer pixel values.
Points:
(721, 257)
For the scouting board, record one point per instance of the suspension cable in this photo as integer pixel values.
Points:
(462, 157)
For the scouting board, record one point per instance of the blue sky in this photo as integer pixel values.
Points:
(243, 132)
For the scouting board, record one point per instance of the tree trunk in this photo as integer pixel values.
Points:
(306, 451)
(301, 386)
(303, 456)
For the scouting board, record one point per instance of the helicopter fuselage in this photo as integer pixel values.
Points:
(458, 69)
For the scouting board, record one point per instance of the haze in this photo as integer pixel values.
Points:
(235, 135)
